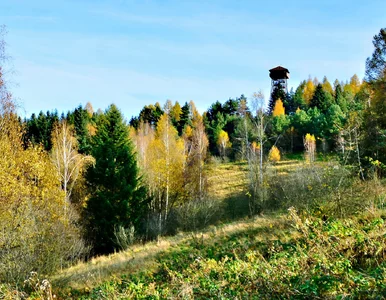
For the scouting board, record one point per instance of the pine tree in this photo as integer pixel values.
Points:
(117, 198)
(321, 99)
(339, 98)
(376, 64)
(184, 118)
(80, 118)
(38, 129)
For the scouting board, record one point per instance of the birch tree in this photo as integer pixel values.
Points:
(255, 159)
(197, 142)
(68, 163)
(165, 171)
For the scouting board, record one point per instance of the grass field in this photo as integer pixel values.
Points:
(272, 256)
(226, 181)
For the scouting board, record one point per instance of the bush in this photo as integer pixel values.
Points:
(274, 154)
(124, 237)
(39, 229)
(197, 214)
(326, 189)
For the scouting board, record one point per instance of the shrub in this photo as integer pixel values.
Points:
(197, 214)
(274, 154)
(124, 237)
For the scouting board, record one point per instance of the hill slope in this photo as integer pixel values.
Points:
(293, 255)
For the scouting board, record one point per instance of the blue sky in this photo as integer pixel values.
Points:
(133, 53)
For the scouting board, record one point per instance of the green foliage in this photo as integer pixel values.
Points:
(222, 117)
(280, 124)
(184, 118)
(375, 66)
(298, 99)
(151, 114)
(340, 99)
(38, 129)
(305, 257)
(80, 118)
(117, 197)
(321, 99)
(335, 119)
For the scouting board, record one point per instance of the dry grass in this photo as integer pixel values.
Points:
(87, 275)
(225, 180)
(140, 257)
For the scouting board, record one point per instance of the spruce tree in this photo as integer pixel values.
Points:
(184, 118)
(339, 98)
(320, 99)
(117, 197)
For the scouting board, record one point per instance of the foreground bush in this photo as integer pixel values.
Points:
(38, 230)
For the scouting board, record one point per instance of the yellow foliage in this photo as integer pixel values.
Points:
(166, 158)
(298, 110)
(142, 137)
(355, 84)
(223, 142)
(279, 109)
(327, 86)
(176, 111)
(255, 147)
(37, 230)
(309, 90)
(310, 138)
(274, 154)
(223, 138)
(69, 164)
(91, 129)
(188, 131)
(310, 147)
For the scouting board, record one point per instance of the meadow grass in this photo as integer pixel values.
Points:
(289, 254)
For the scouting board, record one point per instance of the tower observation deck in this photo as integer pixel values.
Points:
(279, 76)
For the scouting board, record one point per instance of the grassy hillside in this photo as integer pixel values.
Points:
(265, 257)
(295, 254)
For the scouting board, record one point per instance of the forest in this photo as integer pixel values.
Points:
(308, 202)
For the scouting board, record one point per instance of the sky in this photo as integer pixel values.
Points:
(134, 53)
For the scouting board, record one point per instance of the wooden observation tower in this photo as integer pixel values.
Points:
(279, 76)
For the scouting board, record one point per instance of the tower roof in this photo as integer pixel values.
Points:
(279, 73)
